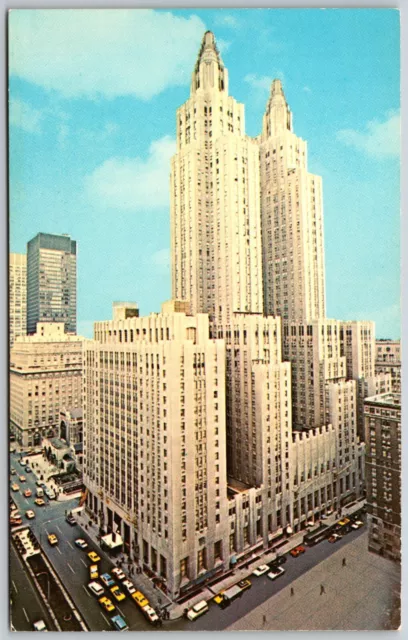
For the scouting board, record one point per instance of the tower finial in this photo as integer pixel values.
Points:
(209, 57)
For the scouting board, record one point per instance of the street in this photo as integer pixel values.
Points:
(72, 565)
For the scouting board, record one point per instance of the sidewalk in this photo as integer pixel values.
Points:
(40, 466)
(159, 600)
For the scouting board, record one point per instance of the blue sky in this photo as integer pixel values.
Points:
(93, 96)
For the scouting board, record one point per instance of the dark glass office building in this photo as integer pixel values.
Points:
(51, 281)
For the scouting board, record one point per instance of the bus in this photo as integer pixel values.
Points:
(317, 535)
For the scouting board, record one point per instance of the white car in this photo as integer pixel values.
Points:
(129, 586)
(198, 610)
(30, 514)
(150, 614)
(279, 571)
(118, 573)
(40, 626)
(357, 524)
(259, 571)
(81, 543)
(96, 588)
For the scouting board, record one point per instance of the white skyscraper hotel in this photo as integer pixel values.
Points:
(194, 449)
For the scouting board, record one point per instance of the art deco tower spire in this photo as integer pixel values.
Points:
(209, 71)
(215, 215)
(292, 219)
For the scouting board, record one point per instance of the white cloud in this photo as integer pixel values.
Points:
(93, 53)
(161, 259)
(307, 89)
(223, 45)
(262, 83)
(134, 183)
(22, 115)
(227, 20)
(379, 138)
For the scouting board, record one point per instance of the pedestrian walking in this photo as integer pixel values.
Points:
(322, 589)
(264, 619)
(292, 591)
(344, 563)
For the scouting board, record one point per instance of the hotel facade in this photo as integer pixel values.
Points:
(228, 421)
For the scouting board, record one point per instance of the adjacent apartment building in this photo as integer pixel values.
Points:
(382, 415)
(45, 377)
(51, 281)
(388, 360)
(17, 296)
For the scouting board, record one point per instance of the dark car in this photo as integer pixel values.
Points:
(70, 519)
(278, 561)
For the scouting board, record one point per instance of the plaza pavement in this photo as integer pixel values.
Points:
(363, 595)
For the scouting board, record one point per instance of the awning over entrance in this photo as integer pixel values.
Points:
(112, 541)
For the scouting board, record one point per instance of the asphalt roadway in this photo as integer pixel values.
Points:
(72, 566)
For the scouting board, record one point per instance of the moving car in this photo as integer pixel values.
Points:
(140, 599)
(150, 614)
(22, 478)
(244, 584)
(15, 487)
(93, 556)
(13, 471)
(70, 519)
(198, 610)
(30, 514)
(107, 604)
(118, 573)
(119, 623)
(297, 551)
(334, 538)
(357, 524)
(40, 502)
(259, 571)
(107, 580)
(40, 626)
(28, 493)
(94, 572)
(276, 573)
(96, 588)
(129, 586)
(81, 543)
(117, 593)
(52, 539)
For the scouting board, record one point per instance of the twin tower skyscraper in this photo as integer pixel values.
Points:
(246, 215)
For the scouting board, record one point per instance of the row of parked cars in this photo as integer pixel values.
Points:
(114, 591)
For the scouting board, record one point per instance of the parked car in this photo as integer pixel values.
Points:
(276, 573)
(52, 539)
(93, 556)
(259, 571)
(50, 493)
(118, 573)
(297, 551)
(219, 597)
(129, 586)
(150, 614)
(94, 572)
(39, 502)
(119, 623)
(117, 593)
(244, 584)
(30, 514)
(334, 538)
(70, 519)
(107, 604)
(198, 610)
(96, 588)
(140, 599)
(357, 524)
(15, 487)
(107, 580)
(81, 543)
(28, 470)
(13, 471)
(278, 561)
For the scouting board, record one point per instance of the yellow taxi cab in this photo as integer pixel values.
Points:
(93, 556)
(107, 604)
(52, 539)
(93, 571)
(117, 593)
(140, 598)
